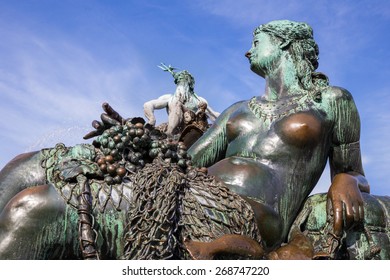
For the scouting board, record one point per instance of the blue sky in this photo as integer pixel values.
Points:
(59, 60)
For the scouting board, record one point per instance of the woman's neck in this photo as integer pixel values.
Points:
(282, 82)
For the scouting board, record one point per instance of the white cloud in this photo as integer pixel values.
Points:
(52, 90)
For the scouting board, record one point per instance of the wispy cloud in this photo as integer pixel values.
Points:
(52, 90)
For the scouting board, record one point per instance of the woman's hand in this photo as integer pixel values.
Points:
(345, 203)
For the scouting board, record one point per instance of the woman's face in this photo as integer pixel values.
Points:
(265, 51)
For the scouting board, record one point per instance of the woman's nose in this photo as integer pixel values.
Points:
(248, 54)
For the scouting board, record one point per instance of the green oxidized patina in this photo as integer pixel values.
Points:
(273, 148)
(136, 194)
(370, 240)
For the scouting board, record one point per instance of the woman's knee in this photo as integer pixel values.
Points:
(31, 206)
(21, 172)
(26, 218)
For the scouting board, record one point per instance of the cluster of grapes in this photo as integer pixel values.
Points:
(127, 148)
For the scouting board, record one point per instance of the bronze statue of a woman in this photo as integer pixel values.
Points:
(273, 148)
(263, 156)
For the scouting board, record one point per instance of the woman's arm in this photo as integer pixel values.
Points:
(345, 156)
(345, 201)
(211, 147)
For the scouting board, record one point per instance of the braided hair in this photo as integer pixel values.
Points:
(297, 39)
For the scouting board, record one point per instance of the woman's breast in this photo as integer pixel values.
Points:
(300, 130)
(241, 124)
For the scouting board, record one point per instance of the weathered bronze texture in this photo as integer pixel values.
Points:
(239, 192)
(273, 148)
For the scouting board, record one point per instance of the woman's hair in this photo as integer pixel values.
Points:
(297, 38)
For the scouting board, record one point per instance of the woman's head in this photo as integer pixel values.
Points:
(297, 39)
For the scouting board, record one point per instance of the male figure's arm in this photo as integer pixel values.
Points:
(159, 103)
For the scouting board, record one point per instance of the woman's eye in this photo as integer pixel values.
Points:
(255, 43)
